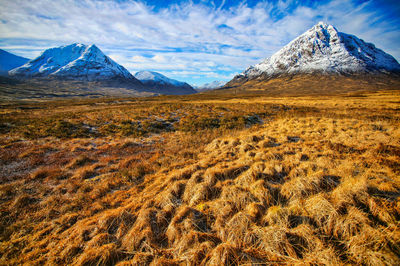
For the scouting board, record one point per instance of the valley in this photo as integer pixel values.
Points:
(294, 160)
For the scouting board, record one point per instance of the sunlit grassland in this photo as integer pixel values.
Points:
(202, 179)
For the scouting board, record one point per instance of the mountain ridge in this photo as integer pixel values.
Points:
(145, 75)
(321, 50)
(216, 84)
(74, 61)
(78, 68)
(324, 49)
(71, 71)
(10, 61)
(157, 82)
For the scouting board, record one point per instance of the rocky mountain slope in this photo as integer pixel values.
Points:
(321, 50)
(9, 61)
(75, 70)
(159, 83)
(85, 70)
(75, 61)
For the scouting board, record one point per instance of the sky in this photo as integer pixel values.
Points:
(195, 41)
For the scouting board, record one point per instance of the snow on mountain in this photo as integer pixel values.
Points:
(212, 85)
(75, 61)
(9, 61)
(323, 49)
(146, 76)
(162, 84)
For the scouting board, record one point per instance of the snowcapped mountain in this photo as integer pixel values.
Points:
(211, 86)
(79, 67)
(323, 49)
(159, 83)
(9, 61)
(76, 62)
(150, 76)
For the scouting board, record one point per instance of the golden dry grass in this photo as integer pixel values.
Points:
(317, 183)
(312, 84)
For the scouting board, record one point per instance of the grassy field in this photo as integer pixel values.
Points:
(201, 179)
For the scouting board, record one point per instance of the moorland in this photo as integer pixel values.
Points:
(201, 179)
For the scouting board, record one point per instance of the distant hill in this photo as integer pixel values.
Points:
(9, 61)
(158, 83)
(211, 86)
(322, 60)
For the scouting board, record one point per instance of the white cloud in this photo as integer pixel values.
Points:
(188, 39)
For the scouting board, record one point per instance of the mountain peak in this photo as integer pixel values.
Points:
(323, 25)
(146, 76)
(93, 47)
(162, 84)
(324, 28)
(75, 44)
(323, 49)
(74, 61)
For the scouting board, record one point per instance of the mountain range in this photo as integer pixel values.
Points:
(84, 70)
(162, 84)
(320, 61)
(211, 85)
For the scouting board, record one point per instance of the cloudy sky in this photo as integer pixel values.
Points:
(194, 41)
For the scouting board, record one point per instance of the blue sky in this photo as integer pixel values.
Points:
(194, 41)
